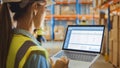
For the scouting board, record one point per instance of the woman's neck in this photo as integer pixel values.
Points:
(26, 26)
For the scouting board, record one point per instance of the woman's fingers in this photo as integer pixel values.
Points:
(65, 60)
(60, 63)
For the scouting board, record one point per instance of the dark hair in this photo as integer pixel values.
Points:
(6, 34)
(19, 12)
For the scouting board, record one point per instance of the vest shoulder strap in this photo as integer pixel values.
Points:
(21, 52)
(24, 52)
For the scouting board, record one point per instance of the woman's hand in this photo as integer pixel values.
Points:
(60, 63)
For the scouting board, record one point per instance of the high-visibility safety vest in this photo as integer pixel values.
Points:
(18, 54)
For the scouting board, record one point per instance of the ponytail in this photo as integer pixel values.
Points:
(5, 34)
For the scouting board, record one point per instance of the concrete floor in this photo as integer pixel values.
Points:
(101, 63)
(55, 46)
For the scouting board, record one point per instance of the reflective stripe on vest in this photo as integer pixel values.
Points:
(23, 53)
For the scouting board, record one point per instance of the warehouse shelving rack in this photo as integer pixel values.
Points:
(75, 17)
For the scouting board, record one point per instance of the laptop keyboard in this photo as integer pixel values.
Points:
(76, 56)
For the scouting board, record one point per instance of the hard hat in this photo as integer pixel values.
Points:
(24, 2)
(4, 1)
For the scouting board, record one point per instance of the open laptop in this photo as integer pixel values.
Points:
(82, 45)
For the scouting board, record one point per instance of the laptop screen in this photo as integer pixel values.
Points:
(84, 38)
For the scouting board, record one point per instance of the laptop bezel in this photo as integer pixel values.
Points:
(84, 26)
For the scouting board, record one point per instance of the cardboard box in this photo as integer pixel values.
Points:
(111, 46)
(65, 0)
(84, 0)
(111, 50)
(119, 46)
(47, 33)
(119, 22)
(115, 35)
(68, 10)
(119, 41)
(91, 10)
(94, 4)
(71, 0)
(100, 2)
(115, 53)
(71, 23)
(115, 28)
(115, 22)
(57, 9)
(97, 22)
(102, 21)
(59, 32)
(103, 51)
(58, 0)
(48, 12)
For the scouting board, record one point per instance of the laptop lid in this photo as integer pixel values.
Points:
(85, 38)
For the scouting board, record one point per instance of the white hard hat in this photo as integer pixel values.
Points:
(24, 2)
(4, 1)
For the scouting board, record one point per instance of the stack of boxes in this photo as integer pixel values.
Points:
(115, 40)
(91, 10)
(48, 12)
(68, 9)
(64, 0)
(47, 30)
(86, 8)
(114, 47)
(114, 33)
(71, 23)
(102, 21)
(115, 6)
(63, 9)
(61, 0)
(59, 32)
(57, 9)
(97, 3)
(119, 41)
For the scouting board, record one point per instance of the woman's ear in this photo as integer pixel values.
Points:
(34, 8)
(35, 12)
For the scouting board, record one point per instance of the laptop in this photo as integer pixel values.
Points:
(82, 45)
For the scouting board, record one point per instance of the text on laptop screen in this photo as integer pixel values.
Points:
(84, 38)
